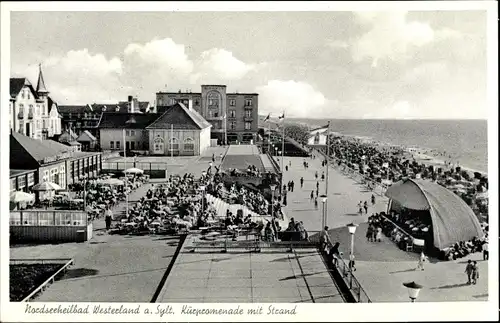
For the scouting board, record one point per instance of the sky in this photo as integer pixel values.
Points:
(387, 65)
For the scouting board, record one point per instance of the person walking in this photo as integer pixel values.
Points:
(360, 207)
(292, 184)
(421, 261)
(365, 206)
(475, 272)
(323, 176)
(369, 233)
(324, 238)
(316, 175)
(316, 203)
(373, 199)
(312, 195)
(286, 168)
(468, 271)
(317, 185)
(301, 182)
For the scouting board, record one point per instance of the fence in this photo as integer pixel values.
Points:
(359, 294)
(65, 262)
(146, 166)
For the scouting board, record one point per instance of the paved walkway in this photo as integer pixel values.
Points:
(250, 278)
(382, 268)
(343, 196)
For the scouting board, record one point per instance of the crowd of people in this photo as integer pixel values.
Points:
(390, 164)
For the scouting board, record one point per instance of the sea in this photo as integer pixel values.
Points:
(460, 141)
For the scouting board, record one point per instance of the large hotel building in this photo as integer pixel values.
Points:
(233, 115)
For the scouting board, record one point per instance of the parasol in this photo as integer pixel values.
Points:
(46, 186)
(20, 197)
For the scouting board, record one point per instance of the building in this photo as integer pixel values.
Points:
(81, 118)
(32, 112)
(232, 115)
(178, 130)
(34, 161)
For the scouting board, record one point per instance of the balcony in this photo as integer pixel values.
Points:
(30, 115)
(248, 107)
(20, 115)
(248, 118)
(230, 117)
(208, 118)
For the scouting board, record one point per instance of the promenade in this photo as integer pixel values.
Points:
(114, 268)
(382, 268)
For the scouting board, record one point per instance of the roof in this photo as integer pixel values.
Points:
(17, 172)
(73, 108)
(38, 149)
(452, 219)
(40, 86)
(126, 120)
(17, 84)
(179, 117)
(143, 106)
(109, 107)
(70, 133)
(86, 136)
(74, 143)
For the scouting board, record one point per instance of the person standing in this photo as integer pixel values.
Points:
(316, 203)
(378, 234)
(301, 182)
(312, 195)
(360, 207)
(369, 233)
(373, 199)
(352, 263)
(293, 184)
(317, 186)
(486, 254)
(316, 175)
(468, 271)
(365, 206)
(421, 261)
(475, 273)
(323, 176)
(324, 238)
(108, 218)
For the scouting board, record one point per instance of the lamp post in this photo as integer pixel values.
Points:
(352, 229)
(84, 192)
(323, 214)
(413, 290)
(275, 151)
(272, 187)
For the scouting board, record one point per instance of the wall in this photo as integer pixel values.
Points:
(240, 114)
(204, 140)
(106, 135)
(181, 136)
(23, 234)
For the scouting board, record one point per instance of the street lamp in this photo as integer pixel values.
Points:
(324, 198)
(352, 229)
(202, 189)
(275, 151)
(413, 290)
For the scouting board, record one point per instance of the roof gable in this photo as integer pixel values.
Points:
(86, 136)
(179, 117)
(17, 84)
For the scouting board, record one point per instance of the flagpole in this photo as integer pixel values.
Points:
(126, 178)
(327, 168)
(269, 135)
(283, 143)
(171, 143)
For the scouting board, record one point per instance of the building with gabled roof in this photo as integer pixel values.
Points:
(177, 131)
(31, 110)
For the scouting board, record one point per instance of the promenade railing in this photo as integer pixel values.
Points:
(64, 262)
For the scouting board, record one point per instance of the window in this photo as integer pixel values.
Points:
(31, 179)
(214, 99)
(21, 108)
(45, 218)
(44, 125)
(38, 124)
(45, 176)
(138, 145)
(174, 144)
(21, 127)
(127, 145)
(132, 145)
(22, 94)
(248, 125)
(248, 102)
(232, 113)
(173, 101)
(29, 95)
(158, 146)
(111, 145)
(21, 182)
(248, 113)
(12, 184)
(132, 132)
(189, 144)
(15, 218)
(185, 102)
(197, 102)
(232, 102)
(232, 125)
(117, 145)
(31, 109)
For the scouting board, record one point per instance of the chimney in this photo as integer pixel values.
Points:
(130, 106)
(190, 104)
